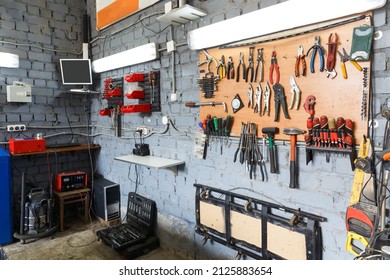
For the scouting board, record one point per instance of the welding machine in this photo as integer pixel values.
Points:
(69, 181)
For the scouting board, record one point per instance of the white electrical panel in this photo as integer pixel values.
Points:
(19, 92)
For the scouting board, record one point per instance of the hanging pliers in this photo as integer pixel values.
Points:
(266, 95)
(274, 66)
(258, 93)
(230, 69)
(208, 60)
(221, 69)
(259, 65)
(344, 58)
(300, 59)
(250, 96)
(280, 100)
(295, 94)
(316, 47)
(242, 64)
(331, 58)
(250, 65)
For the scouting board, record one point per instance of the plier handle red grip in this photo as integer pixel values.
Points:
(274, 66)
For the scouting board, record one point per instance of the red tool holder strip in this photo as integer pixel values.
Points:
(136, 94)
(136, 108)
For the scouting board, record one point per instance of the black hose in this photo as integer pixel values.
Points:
(37, 235)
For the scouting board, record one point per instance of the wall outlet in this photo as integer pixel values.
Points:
(16, 127)
(144, 129)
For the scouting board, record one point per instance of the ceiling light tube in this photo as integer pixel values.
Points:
(280, 17)
(134, 56)
(9, 60)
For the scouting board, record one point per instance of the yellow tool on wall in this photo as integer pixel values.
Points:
(362, 208)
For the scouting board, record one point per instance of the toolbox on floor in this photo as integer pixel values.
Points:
(136, 235)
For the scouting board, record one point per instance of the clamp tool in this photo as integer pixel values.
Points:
(316, 47)
(208, 60)
(274, 66)
(250, 65)
(259, 65)
(221, 69)
(230, 69)
(331, 58)
(266, 95)
(258, 92)
(280, 100)
(296, 94)
(300, 59)
(242, 64)
(344, 58)
(250, 96)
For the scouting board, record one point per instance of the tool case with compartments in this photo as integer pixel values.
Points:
(136, 236)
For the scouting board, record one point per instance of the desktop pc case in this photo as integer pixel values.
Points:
(106, 199)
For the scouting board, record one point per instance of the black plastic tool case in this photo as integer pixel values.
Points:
(139, 226)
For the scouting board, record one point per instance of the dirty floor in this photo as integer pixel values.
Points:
(78, 242)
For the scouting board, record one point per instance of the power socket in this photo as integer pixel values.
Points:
(144, 130)
(16, 127)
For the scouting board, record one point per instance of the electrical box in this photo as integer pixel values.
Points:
(19, 93)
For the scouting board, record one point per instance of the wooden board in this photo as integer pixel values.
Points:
(212, 216)
(281, 241)
(335, 98)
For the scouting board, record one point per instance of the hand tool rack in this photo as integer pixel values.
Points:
(333, 95)
(256, 228)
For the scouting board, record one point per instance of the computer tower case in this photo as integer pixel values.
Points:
(106, 199)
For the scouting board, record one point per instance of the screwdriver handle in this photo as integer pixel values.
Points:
(191, 104)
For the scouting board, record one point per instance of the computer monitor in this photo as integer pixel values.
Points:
(76, 71)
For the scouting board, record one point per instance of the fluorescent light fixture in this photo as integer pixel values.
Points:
(280, 17)
(134, 56)
(9, 60)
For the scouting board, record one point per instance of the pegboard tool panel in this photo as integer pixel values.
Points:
(335, 97)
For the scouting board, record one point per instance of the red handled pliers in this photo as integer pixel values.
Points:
(274, 66)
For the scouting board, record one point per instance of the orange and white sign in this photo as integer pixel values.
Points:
(111, 11)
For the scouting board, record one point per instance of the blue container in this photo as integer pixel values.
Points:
(6, 224)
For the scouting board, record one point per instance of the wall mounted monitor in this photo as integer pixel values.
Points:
(76, 71)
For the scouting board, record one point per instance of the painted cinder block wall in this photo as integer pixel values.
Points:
(324, 187)
(33, 29)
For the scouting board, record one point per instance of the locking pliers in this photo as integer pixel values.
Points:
(258, 94)
(266, 95)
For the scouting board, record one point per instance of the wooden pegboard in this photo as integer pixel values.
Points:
(335, 98)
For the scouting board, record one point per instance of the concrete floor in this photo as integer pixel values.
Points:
(78, 242)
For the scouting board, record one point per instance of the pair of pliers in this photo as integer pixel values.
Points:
(221, 69)
(300, 59)
(250, 65)
(295, 94)
(250, 96)
(242, 64)
(266, 95)
(208, 60)
(280, 100)
(274, 66)
(258, 93)
(344, 58)
(259, 65)
(331, 58)
(230, 69)
(316, 47)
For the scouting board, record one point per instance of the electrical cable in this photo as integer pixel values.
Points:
(42, 48)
